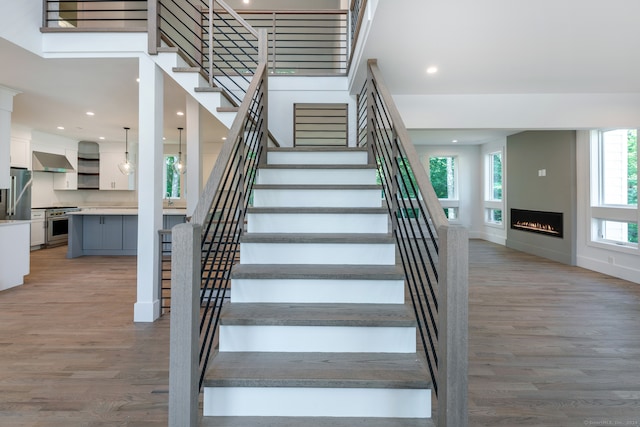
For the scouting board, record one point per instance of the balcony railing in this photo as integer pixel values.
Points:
(92, 15)
(433, 253)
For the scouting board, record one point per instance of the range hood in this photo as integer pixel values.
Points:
(47, 162)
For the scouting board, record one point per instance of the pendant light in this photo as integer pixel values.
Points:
(126, 167)
(179, 166)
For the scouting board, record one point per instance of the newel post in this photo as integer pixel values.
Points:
(153, 26)
(453, 297)
(185, 311)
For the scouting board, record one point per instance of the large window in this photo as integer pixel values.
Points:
(171, 178)
(614, 197)
(493, 188)
(443, 173)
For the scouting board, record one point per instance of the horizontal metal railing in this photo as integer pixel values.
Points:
(309, 42)
(433, 253)
(210, 244)
(95, 14)
(164, 266)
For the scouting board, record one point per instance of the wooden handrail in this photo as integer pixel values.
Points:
(204, 204)
(237, 17)
(424, 184)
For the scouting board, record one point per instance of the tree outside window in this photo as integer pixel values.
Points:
(171, 178)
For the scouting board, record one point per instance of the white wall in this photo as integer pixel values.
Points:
(20, 23)
(285, 91)
(469, 186)
(608, 259)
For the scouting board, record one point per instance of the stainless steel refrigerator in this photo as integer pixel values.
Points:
(15, 202)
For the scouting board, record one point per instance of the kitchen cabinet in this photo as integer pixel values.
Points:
(109, 231)
(67, 180)
(88, 165)
(130, 232)
(20, 153)
(14, 253)
(37, 228)
(110, 176)
(102, 232)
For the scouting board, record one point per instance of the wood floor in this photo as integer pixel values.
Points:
(549, 345)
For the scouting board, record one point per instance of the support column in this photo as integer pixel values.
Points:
(194, 155)
(150, 105)
(6, 108)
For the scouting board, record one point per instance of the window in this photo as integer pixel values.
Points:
(443, 175)
(614, 193)
(493, 188)
(171, 178)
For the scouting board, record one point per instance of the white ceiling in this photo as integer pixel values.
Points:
(59, 92)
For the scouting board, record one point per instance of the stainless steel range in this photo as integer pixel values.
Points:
(57, 226)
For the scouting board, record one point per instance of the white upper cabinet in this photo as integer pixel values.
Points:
(110, 176)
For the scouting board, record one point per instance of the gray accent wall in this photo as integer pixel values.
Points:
(553, 152)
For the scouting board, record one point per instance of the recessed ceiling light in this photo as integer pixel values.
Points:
(245, 1)
(90, 113)
(180, 113)
(224, 138)
(138, 79)
(164, 138)
(60, 127)
(102, 137)
(455, 141)
(432, 70)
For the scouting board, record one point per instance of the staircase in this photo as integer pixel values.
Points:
(317, 332)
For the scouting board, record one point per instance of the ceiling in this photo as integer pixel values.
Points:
(60, 92)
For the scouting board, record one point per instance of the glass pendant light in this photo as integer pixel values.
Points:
(178, 166)
(126, 167)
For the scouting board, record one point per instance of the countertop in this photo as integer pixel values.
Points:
(7, 222)
(124, 211)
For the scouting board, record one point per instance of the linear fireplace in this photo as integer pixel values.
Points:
(547, 223)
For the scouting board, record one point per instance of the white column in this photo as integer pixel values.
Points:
(194, 155)
(150, 105)
(6, 107)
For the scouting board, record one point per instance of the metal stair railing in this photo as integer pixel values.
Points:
(205, 249)
(433, 253)
(230, 44)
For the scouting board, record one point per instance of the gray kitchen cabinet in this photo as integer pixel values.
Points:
(102, 232)
(130, 232)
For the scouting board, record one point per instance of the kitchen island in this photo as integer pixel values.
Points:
(110, 232)
(15, 244)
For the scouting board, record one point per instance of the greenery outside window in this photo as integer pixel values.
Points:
(171, 178)
(443, 174)
(614, 196)
(493, 202)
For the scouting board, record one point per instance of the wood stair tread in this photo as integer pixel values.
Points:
(314, 422)
(317, 271)
(322, 370)
(315, 148)
(321, 314)
(317, 187)
(318, 238)
(186, 69)
(316, 210)
(319, 166)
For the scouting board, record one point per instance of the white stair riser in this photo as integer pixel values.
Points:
(317, 291)
(318, 253)
(325, 339)
(317, 402)
(317, 158)
(317, 223)
(317, 198)
(317, 176)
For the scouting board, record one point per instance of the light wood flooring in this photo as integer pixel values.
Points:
(549, 345)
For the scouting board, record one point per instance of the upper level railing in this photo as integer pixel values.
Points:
(433, 253)
(88, 15)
